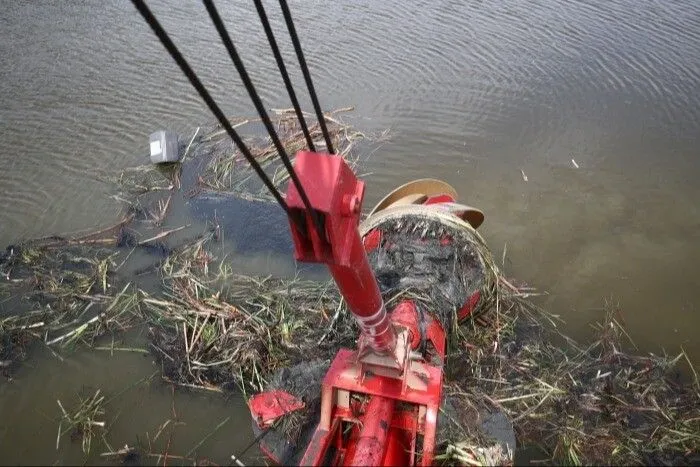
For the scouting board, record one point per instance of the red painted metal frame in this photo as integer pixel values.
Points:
(437, 199)
(270, 405)
(387, 425)
(372, 442)
(470, 306)
(406, 315)
(269, 454)
(340, 377)
(336, 195)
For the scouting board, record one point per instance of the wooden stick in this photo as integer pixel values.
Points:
(80, 328)
(206, 320)
(193, 386)
(163, 234)
(187, 149)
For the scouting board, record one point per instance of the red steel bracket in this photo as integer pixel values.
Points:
(268, 406)
(470, 306)
(335, 195)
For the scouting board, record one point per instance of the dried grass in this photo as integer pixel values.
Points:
(579, 405)
(228, 171)
(213, 328)
(65, 290)
(82, 421)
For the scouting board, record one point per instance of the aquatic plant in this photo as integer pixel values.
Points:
(82, 420)
(213, 328)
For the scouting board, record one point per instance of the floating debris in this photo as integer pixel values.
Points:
(216, 329)
(212, 328)
(81, 422)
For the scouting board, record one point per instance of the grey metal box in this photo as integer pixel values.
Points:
(164, 147)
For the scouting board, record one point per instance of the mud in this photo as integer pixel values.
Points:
(289, 437)
(459, 420)
(427, 258)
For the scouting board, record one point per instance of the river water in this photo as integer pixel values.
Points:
(575, 125)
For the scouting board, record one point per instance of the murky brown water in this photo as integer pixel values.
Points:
(475, 93)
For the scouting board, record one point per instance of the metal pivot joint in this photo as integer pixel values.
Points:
(336, 196)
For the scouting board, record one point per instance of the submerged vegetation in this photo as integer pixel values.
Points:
(82, 421)
(67, 291)
(593, 404)
(212, 328)
(216, 329)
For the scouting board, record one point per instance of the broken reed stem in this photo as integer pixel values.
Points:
(81, 422)
(227, 171)
(163, 234)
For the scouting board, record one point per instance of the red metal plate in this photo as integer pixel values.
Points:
(268, 406)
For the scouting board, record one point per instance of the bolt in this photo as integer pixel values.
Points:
(354, 204)
(351, 205)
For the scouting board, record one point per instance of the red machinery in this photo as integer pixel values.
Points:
(379, 403)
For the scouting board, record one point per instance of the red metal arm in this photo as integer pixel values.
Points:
(375, 406)
(336, 195)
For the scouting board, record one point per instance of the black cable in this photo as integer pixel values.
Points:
(192, 76)
(258, 438)
(283, 72)
(262, 434)
(307, 75)
(226, 39)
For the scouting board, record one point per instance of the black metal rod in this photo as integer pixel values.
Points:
(195, 81)
(226, 39)
(283, 72)
(307, 76)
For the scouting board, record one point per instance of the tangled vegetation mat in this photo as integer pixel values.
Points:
(212, 328)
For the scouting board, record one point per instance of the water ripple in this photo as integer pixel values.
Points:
(81, 91)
